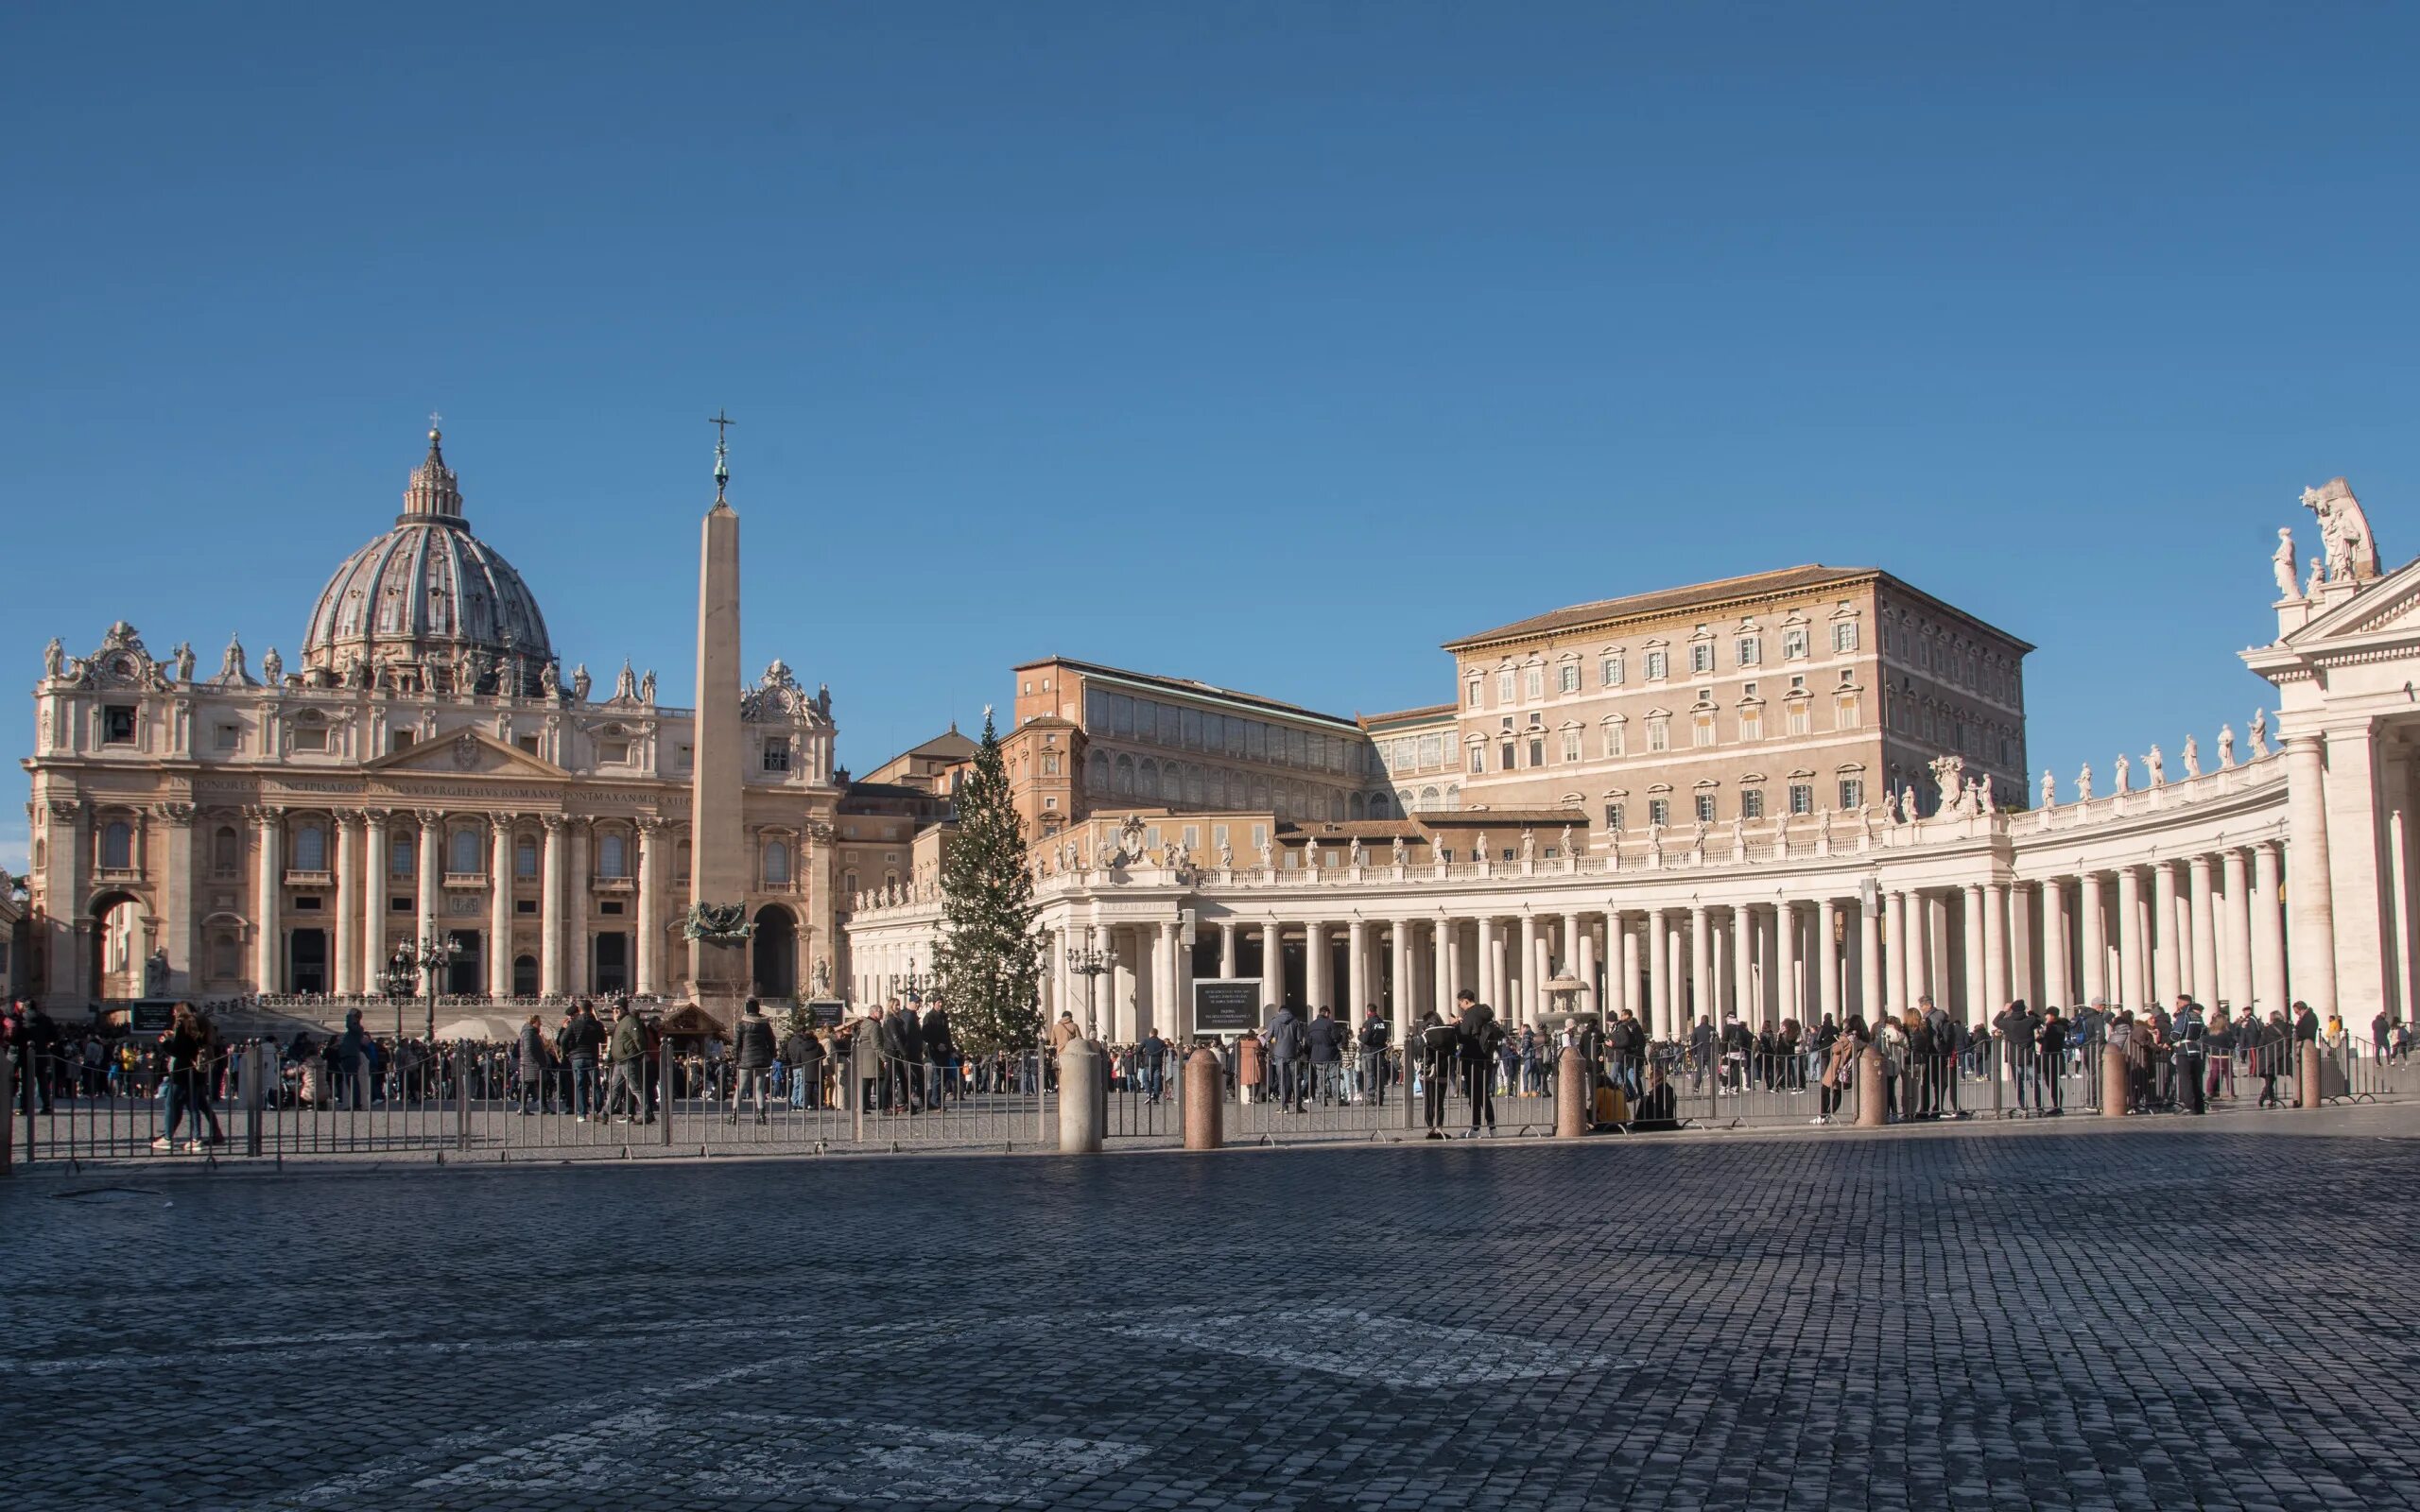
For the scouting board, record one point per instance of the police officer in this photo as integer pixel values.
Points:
(2187, 1037)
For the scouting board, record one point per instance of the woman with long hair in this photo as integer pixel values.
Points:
(190, 1046)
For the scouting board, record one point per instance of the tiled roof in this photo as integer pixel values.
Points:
(1430, 711)
(1186, 685)
(1665, 600)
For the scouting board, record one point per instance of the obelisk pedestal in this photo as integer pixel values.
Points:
(720, 970)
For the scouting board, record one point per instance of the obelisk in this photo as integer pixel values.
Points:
(719, 969)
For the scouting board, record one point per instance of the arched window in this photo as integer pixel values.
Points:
(1147, 779)
(464, 859)
(848, 882)
(1126, 777)
(118, 845)
(1096, 773)
(613, 855)
(1427, 801)
(1454, 796)
(1353, 809)
(777, 864)
(524, 976)
(525, 857)
(226, 852)
(1336, 807)
(310, 848)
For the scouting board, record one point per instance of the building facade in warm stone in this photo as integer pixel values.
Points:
(425, 769)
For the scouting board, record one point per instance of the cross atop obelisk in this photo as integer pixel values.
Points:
(723, 425)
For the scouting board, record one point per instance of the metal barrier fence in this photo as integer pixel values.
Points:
(465, 1100)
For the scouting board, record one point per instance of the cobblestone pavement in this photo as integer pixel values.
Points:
(2144, 1317)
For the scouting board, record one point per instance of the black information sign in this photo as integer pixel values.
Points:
(1226, 1005)
(150, 1016)
(827, 1012)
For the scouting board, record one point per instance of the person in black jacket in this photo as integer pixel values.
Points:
(752, 1060)
(1481, 1037)
(1438, 1045)
(1328, 1040)
(2050, 1044)
(803, 1055)
(941, 1056)
(1373, 1042)
(903, 1044)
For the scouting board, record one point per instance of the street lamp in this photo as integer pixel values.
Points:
(915, 981)
(1088, 962)
(431, 954)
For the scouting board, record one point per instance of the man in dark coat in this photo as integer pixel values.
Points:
(1327, 1039)
(939, 1054)
(752, 1060)
(1481, 1037)
(903, 1041)
(803, 1055)
(2050, 1042)
(1287, 1043)
(1373, 1042)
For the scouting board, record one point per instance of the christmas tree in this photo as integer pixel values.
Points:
(989, 958)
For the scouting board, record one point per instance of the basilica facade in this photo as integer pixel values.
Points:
(425, 772)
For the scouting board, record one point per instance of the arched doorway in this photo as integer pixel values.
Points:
(524, 976)
(776, 944)
(114, 967)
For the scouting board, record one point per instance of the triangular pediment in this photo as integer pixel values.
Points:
(2383, 604)
(466, 753)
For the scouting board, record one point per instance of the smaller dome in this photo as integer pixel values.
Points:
(428, 605)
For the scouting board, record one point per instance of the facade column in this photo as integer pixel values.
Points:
(2130, 938)
(375, 885)
(1524, 992)
(2270, 993)
(1895, 950)
(1996, 993)
(1659, 979)
(346, 925)
(1403, 992)
(577, 953)
(431, 917)
(1121, 989)
(1444, 956)
(1499, 970)
(1227, 931)
(2022, 938)
(500, 907)
(1167, 986)
(1744, 997)
(1621, 964)
(1701, 966)
(2399, 932)
(2310, 894)
(551, 908)
(2058, 983)
(651, 937)
(1827, 962)
(2205, 936)
(1315, 963)
(2092, 914)
(2234, 975)
(269, 947)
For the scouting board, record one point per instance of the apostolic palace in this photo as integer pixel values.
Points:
(1795, 793)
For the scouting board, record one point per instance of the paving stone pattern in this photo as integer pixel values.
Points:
(2065, 1319)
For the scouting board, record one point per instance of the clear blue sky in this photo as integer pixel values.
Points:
(1265, 344)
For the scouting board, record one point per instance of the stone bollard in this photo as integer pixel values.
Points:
(1205, 1101)
(2114, 1089)
(1081, 1089)
(2306, 1089)
(8, 1114)
(1873, 1086)
(1574, 1087)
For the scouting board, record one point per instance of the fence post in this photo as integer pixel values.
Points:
(261, 1055)
(664, 1089)
(9, 1125)
(1041, 1097)
(1992, 1059)
(461, 1099)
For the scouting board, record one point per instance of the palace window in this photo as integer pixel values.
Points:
(1504, 687)
(1504, 758)
(1852, 792)
(1705, 808)
(1794, 644)
(1802, 797)
(1568, 676)
(309, 734)
(1752, 803)
(1659, 733)
(1614, 738)
(230, 737)
(777, 753)
(1479, 759)
(118, 845)
(310, 848)
(1475, 697)
(1537, 753)
(1657, 666)
(1613, 817)
(1848, 714)
(1609, 672)
(1702, 658)
(226, 852)
(1751, 724)
(1533, 684)
(1659, 811)
(777, 864)
(399, 856)
(1799, 722)
(1702, 730)
(1751, 650)
(613, 855)
(1844, 636)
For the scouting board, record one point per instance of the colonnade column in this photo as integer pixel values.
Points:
(1996, 993)
(1621, 963)
(1790, 986)
(1357, 981)
(2310, 902)
(1894, 947)
(269, 883)
(2205, 936)
(1167, 986)
(2021, 918)
(347, 922)
(2092, 913)
(551, 908)
(2234, 980)
(1583, 943)
(2058, 983)
(2130, 938)
(2269, 990)
(2166, 964)
(1315, 963)
(1971, 919)
(575, 905)
(374, 885)
(1871, 975)
(1743, 963)
(1701, 966)
(1526, 993)
(1659, 977)
(1227, 932)
(1827, 960)
(432, 879)
(1445, 954)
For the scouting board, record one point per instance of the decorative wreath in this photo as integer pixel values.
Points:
(718, 923)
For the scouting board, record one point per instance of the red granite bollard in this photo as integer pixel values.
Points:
(2307, 1092)
(1872, 1088)
(2115, 1092)
(1205, 1101)
(1573, 1087)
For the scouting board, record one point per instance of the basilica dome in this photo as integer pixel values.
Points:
(430, 607)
